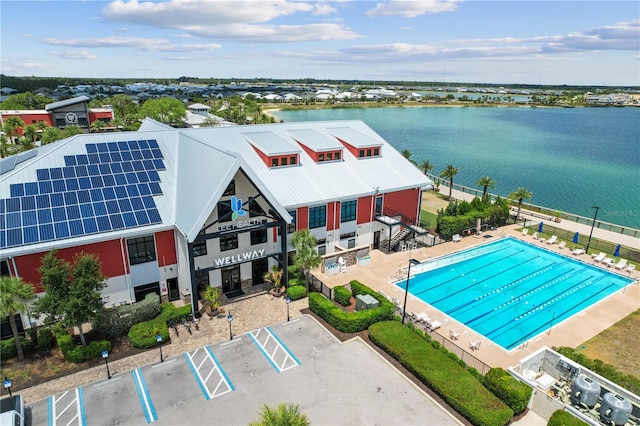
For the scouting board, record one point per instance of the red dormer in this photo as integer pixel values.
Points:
(273, 150)
(358, 144)
(317, 146)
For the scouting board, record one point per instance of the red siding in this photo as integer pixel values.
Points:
(404, 202)
(352, 149)
(311, 153)
(364, 209)
(166, 248)
(30, 117)
(302, 218)
(330, 216)
(108, 252)
(96, 115)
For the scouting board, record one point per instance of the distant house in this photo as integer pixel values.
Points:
(198, 116)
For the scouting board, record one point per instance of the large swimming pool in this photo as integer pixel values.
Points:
(510, 291)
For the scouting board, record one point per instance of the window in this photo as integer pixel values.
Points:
(329, 156)
(291, 227)
(231, 189)
(293, 160)
(320, 157)
(274, 162)
(141, 250)
(376, 151)
(258, 237)
(369, 153)
(317, 217)
(255, 209)
(224, 211)
(283, 161)
(348, 211)
(337, 156)
(200, 249)
(347, 235)
(361, 154)
(228, 242)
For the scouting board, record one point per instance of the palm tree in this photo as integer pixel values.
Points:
(274, 277)
(306, 257)
(12, 126)
(407, 154)
(426, 167)
(448, 173)
(520, 194)
(486, 182)
(14, 296)
(30, 133)
(283, 415)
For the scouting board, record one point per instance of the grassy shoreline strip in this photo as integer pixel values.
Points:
(454, 383)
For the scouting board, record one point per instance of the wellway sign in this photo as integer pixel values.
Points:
(239, 258)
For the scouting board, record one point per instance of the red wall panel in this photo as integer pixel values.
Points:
(302, 218)
(166, 248)
(364, 209)
(404, 202)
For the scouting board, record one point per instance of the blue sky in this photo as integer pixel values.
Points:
(532, 42)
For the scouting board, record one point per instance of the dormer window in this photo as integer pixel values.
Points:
(320, 157)
(274, 162)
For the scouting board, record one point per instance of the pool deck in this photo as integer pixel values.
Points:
(380, 275)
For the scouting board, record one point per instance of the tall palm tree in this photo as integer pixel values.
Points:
(486, 182)
(426, 167)
(520, 194)
(30, 132)
(449, 173)
(12, 126)
(406, 153)
(284, 414)
(14, 297)
(306, 257)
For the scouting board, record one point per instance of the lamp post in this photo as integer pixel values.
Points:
(592, 225)
(406, 288)
(7, 384)
(230, 318)
(105, 356)
(159, 340)
(288, 300)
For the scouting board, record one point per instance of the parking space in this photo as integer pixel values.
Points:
(228, 383)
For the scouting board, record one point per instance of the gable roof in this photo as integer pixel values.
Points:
(67, 102)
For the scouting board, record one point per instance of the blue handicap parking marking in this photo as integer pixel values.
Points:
(209, 374)
(67, 408)
(145, 398)
(276, 352)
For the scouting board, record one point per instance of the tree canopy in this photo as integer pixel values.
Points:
(520, 194)
(165, 110)
(27, 100)
(73, 291)
(15, 295)
(449, 173)
(306, 256)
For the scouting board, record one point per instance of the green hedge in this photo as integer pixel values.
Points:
(442, 373)
(513, 392)
(8, 347)
(296, 292)
(342, 295)
(143, 335)
(351, 322)
(564, 418)
(608, 371)
(45, 339)
(117, 321)
(78, 354)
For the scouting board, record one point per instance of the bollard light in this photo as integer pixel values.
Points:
(288, 300)
(230, 318)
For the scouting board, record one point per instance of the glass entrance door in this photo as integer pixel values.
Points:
(231, 279)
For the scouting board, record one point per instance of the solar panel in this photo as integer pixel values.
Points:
(110, 187)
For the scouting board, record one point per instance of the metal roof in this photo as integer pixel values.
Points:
(315, 141)
(353, 137)
(67, 102)
(270, 143)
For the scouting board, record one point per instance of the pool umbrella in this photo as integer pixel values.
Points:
(576, 237)
(617, 252)
(540, 226)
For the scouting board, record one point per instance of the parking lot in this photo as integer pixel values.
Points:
(228, 382)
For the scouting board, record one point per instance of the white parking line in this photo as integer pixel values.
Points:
(274, 350)
(73, 400)
(210, 376)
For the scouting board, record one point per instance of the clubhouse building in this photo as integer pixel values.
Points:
(171, 210)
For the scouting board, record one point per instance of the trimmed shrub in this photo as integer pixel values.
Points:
(116, 322)
(342, 295)
(512, 392)
(172, 315)
(608, 371)
(78, 354)
(8, 347)
(438, 370)
(296, 292)
(45, 339)
(351, 322)
(143, 335)
(565, 418)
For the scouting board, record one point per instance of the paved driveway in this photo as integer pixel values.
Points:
(228, 382)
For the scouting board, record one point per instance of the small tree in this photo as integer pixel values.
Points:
(426, 167)
(274, 277)
(306, 257)
(520, 194)
(449, 173)
(283, 415)
(73, 293)
(165, 110)
(485, 182)
(15, 295)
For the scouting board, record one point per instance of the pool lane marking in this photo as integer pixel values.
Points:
(215, 367)
(143, 393)
(262, 346)
(78, 401)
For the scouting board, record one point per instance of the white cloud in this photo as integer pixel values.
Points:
(412, 8)
(145, 44)
(21, 66)
(243, 20)
(73, 54)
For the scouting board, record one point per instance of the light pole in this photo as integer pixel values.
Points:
(159, 340)
(406, 288)
(230, 318)
(592, 225)
(288, 300)
(105, 356)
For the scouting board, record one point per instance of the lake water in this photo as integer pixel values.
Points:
(569, 158)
